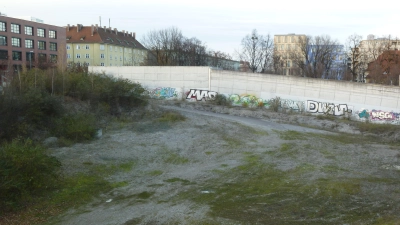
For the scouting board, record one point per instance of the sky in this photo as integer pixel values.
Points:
(221, 25)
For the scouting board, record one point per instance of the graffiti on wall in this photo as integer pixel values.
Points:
(199, 95)
(247, 100)
(379, 115)
(163, 93)
(292, 104)
(328, 108)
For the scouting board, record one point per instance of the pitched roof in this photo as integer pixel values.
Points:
(94, 34)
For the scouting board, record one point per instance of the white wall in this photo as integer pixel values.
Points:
(160, 76)
(380, 103)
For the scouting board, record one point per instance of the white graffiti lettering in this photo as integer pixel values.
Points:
(201, 94)
(327, 108)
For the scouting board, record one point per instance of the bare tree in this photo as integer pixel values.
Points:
(355, 57)
(257, 50)
(314, 56)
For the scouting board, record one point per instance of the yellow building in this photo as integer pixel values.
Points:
(96, 46)
(287, 46)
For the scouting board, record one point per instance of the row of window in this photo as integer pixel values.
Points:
(16, 42)
(78, 47)
(16, 28)
(31, 56)
(87, 56)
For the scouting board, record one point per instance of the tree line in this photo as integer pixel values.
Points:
(308, 56)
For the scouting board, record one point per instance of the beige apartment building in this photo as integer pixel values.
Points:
(373, 47)
(286, 46)
(96, 46)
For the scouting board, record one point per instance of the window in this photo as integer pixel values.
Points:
(120, 49)
(40, 32)
(116, 58)
(42, 45)
(3, 26)
(16, 42)
(101, 64)
(30, 56)
(78, 47)
(87, 56)
(86, 64)
(15, 28)
(52, 34)
(102, 56)
(101, 47)
(78, 56)
(110, 48)
(3, 40)
(68, 47)
(86, 46)
(29, 30)
(120, 58)
(3, 54)
(110, 57)
(110, 64)
(68, 56)
(16, 55)
(42, 57)
(53, 46)
(28, 43)
(53, 58)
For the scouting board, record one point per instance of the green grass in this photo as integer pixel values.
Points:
(293, 135)
(171, 117)
(155, 173)
(260, 194)
(176, 179)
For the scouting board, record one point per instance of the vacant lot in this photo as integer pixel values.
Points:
(208, 168)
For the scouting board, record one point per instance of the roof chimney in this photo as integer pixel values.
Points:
(79, 27)
(105, 28)
(116, 31)
(67, 27)
(97, 27)
(123, 31)
(134, 35)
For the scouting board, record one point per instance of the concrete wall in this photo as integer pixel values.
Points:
(161, 76)
(360, 101)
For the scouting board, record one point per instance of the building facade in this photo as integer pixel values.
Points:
(29, 44)
(96, 46)
(286, 46)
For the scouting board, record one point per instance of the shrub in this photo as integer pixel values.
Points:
(222, 100)
(23, 113)
(275, 104)
(76, 127)
(25, 171)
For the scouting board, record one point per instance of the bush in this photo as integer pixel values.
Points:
(275, 104)
(25, 171)
(222, 100)
(24, 113)
(76, 127)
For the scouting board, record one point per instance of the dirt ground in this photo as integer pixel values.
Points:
(224, 165)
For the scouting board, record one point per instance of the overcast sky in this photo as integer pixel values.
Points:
(220, 24)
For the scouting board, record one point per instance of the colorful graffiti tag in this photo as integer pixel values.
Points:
(248, 100)
(163, 93)
(328, 108)
(199, 95)
(379, 115)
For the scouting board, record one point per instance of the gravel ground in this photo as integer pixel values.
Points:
(171, 159)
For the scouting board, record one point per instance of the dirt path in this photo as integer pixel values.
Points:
(224, 169)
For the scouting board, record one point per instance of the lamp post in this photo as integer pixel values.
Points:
(30, 60)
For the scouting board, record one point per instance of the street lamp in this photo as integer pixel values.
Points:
(30, 60)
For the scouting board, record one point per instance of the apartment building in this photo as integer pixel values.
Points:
(103, 46)
(28, 44)
(286, 46)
